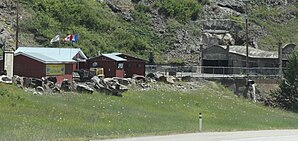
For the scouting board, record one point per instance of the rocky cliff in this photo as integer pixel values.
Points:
(219, 22)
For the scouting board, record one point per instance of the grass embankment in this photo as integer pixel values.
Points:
(164, 111)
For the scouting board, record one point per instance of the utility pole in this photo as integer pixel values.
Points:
(17, 29)
(280, 59)
(246, 34)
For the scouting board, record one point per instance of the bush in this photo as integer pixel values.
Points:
(181, 10)
(287, 95)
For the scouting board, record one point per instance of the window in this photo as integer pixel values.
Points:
(120, 65)
(94, 64)
(139, 66)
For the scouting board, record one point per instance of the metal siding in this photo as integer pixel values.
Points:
(69, 68)
(132, 68)
(106, 63)
(24, 66)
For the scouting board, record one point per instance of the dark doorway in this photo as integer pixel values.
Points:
(215, 66)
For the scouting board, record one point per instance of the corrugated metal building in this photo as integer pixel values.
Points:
(117, 65)
(40, 62)
(1, 64)
(235, 56)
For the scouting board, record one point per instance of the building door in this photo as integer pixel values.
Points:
(215, 66)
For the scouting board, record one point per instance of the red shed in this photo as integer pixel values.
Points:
(113, 65)
(133, 65)
(117, 65)
(42, 62)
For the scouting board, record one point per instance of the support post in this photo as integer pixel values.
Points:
(200, 122)
(246, 33)
(17, 28)
(280, 59)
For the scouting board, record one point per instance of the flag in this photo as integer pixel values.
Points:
(68, 38)
(75, 38)
(55, 39)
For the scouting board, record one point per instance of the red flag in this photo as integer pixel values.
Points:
(68, 38)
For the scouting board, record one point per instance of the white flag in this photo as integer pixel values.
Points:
(55, 39)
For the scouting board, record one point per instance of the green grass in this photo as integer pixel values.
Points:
(285, 32)
(163, 111)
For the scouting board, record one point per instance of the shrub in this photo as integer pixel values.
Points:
(181, 10)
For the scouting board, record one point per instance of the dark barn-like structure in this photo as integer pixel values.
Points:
(235, 56)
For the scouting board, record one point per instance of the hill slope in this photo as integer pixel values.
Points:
(170, 28)
(161, 111)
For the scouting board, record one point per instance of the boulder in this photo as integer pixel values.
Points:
(99, 83)
(123, 81)
(50, 84)
(170, 80)
(5, 79)
(232, 4)
(25, 82)
(56, 90)
(39, 89)
(52, 79)
(139, 77)
(152, 76)
(35, 82)
(18, 81)
(83, 88)
(65, 85)
(113, 7)
(167, 79)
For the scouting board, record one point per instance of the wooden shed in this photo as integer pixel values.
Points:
(40, 62)
(117, 65)
(133, 65)
(113, 65)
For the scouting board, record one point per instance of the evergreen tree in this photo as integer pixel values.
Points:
(287, 94)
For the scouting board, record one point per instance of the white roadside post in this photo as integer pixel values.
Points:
(200, 122)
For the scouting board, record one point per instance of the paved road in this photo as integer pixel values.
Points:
(264, 135)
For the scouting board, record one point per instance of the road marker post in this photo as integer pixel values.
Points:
(200, 122)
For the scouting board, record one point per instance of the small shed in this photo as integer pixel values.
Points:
(117, 65)
(41, 62)
(133, 65)
(113, 65)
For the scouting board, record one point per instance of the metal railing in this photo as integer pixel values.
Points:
(212, 71)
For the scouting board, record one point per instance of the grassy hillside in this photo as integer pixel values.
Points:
(101, 29)
(279, 25)
(163, 111)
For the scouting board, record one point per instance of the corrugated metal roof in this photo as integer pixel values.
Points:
(51, 55)
(116, 53)
(114, 56)
(252, 52)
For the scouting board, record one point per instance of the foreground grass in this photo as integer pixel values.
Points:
(79, 117)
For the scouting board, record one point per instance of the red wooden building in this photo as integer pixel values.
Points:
(117, 65)
(41, 62)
